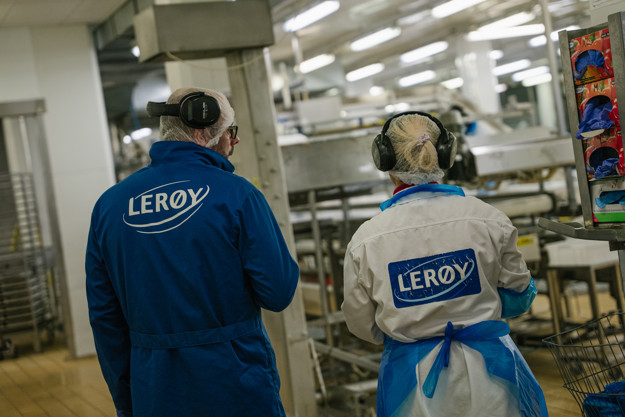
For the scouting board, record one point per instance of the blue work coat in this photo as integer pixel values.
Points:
(181, 257)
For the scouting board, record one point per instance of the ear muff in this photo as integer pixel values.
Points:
(196, 110)
(383, 153)
(384, 156)
(446, 149)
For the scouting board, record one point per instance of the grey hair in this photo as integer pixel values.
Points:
(173, 129)
(414, 140)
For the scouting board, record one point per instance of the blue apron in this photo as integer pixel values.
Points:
(397, 378)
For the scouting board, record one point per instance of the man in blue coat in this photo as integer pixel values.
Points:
(181, 257)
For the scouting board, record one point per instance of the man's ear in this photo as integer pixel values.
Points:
(199, 137)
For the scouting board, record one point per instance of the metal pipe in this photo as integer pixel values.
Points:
(347, 357)
(299, 58)
(323, 286)
(553, 65)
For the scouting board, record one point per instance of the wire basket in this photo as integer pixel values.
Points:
(591, 360)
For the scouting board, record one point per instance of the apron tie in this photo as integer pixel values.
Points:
(442, 359)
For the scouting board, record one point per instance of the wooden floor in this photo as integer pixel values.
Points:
(48, 384)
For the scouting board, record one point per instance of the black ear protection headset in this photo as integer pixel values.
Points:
(196, 110)
(384, 156)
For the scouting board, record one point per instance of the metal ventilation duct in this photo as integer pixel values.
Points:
(202, 30)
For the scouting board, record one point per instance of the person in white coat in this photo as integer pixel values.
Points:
(431, 277)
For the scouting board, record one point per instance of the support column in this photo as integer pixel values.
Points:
(260, 160)
(476, 69)
(204, 73)
(546, 108)
(554, 70)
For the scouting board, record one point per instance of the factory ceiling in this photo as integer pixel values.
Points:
(411, 21)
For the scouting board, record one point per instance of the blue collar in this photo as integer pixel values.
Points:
(434, 188)
(163, 152)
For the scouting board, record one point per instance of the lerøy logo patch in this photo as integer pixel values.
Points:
(434, 278)
(165, 207)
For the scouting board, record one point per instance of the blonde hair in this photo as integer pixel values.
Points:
(414, 138)
(173, 129)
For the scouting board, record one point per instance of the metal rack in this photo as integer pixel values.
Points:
(571, 342)
(614, 233)
(615, 25)
(611, 232)
(25, 296)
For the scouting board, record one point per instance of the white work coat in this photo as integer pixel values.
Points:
(434, 256)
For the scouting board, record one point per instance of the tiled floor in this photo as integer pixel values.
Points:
(47, 384)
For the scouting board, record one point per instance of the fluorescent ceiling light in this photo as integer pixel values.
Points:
(537, 41)
(374, 39)
(453, 6)
(496, 55)
(453, 83)
(500, 88)
(127, 139)
(506, 22)
(424, 52)
(315, 63)
(311, 15)
(141, 133)
(376, 90)
(277, 82)
(533, 72)
(364, 72)
(542, 39)
(402, 106)
(540, 79)
(511, 67)
(413, 18)
(418, 78)
(396, 108)
(504, 33)
(135, 51)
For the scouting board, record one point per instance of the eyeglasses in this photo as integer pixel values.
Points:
(233, 130)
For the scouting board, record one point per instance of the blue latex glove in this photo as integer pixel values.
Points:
(602, 404)
(607, 168)
(611, 197)
(122, 413)
(590, 57)
(596, 115)
(617, 387)
(515, 303)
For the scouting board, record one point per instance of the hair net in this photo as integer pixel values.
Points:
(172, 128)
(414, 140)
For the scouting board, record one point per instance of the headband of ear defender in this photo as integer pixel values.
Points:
(197, 110)
(384, 156)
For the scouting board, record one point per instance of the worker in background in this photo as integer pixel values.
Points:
(181, 257)
(431, 277)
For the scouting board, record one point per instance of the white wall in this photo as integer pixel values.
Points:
(58, 64)
(18, 76)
